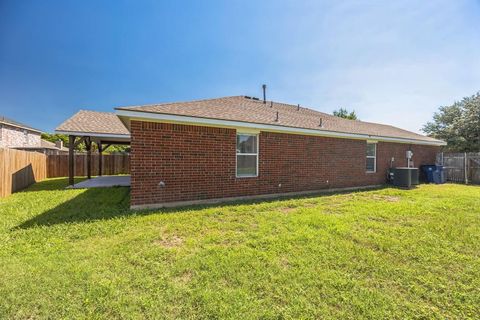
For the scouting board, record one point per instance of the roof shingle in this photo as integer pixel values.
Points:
(86, 121)
(245, 109)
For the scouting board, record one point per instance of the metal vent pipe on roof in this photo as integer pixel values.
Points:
(277, 117)
(264, 87)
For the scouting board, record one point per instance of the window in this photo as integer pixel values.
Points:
(247, 155)
(371, 157)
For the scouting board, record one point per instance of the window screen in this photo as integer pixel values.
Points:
(247, 155)
(371, 164)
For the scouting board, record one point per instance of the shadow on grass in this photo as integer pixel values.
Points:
(106, 203)
(89, 205)
(84, 206)
(53, 184)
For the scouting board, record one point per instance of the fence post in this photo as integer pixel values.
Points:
(466, 169)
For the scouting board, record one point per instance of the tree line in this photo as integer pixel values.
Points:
(458, 125)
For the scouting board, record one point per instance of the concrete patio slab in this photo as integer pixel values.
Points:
(103, 182)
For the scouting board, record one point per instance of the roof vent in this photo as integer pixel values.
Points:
(276, 120)
(321, 123)
(271, 104)
(255, 98)
(264, 87)
(298, 107)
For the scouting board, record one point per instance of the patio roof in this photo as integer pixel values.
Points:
(103, 128)
(100, 126)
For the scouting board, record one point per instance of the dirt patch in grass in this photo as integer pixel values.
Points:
(170, 242)
(284, 263)
(334, 208)
(184, 278)
(367, 244)
(385, 198)
(287, 210)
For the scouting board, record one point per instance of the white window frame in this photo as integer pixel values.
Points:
(246, 154)
(370, 157)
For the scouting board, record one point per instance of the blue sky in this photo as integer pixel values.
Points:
(392, 61)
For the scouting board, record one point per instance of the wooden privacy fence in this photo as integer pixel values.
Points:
(57, 165)
(19, 169)
(461, 167)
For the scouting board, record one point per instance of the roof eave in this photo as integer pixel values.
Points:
(20, 126)
(130, 114)
(123, 137)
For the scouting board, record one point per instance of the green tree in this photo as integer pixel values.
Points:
(343, 113)
(117, 148)
(54, 137)
(458, 125)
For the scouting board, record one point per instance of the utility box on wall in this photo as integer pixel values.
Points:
(409, 155)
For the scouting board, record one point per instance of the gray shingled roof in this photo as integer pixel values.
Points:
(50, 145)
(86, 121)
(14, 123)
(240, 108)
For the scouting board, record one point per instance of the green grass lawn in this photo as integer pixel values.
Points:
(385, 253)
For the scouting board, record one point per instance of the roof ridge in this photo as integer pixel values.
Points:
(260, 101)
(95, 111)
(176, 102)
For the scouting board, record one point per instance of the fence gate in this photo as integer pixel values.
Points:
(461, 167)
(474, 168)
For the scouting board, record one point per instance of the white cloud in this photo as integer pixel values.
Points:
(393, 62)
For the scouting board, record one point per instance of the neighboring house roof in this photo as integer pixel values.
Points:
(241, 109)
(44, 144)
(94, 123)
(50, 145)
(13, 123)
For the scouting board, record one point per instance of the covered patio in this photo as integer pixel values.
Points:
(102, 129)
(103, 182)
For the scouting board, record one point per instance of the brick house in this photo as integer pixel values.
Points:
(15, 134)
(241, 147)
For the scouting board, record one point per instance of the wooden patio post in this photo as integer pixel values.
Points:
(100, 160)
(71, 160)
(88, 144)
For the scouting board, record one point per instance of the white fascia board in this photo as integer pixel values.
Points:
(91, 134)
(136, 115)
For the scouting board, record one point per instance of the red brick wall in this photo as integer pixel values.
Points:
(198, 163)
